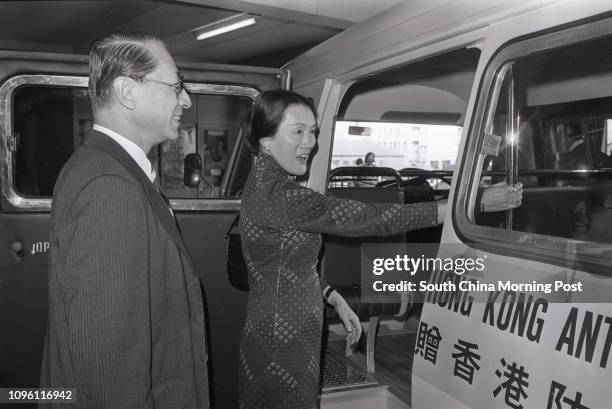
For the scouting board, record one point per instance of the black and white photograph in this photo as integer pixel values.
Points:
(314, 204)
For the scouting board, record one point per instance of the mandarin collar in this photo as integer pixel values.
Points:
(265, 162)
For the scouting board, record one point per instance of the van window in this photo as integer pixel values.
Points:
(548, 126)
(210, 128)
(50, 122)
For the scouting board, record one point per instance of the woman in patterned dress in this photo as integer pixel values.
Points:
(281, 227)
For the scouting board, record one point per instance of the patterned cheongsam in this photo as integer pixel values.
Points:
(281, 226)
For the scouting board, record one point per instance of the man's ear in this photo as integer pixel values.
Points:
(124, 89)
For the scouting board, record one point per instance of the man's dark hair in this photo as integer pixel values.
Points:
(118, 54)
(268, 111)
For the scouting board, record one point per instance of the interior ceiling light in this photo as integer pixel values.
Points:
(225, 25)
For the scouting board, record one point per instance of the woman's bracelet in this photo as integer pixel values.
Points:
(328, 292)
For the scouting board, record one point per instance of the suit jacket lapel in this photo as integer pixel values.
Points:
(160, 207)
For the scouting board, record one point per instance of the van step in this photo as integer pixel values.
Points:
(377, 397)
(339, 373)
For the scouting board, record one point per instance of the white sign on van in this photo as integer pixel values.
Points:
(512, 355)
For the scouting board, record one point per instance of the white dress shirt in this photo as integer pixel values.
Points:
(132, 149)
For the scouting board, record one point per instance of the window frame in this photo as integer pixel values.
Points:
(15, 202)
(503, 241)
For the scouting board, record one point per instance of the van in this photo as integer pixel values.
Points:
(452, 97)
(483, 93)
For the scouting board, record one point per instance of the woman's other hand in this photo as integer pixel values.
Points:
(349, 319)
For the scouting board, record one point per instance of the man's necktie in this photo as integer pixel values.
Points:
(161, 192)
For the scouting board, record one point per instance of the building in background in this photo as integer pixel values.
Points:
(396, 145)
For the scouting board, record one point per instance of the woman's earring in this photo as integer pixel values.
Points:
(266, 147)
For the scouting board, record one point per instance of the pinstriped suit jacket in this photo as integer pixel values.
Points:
(126, 315)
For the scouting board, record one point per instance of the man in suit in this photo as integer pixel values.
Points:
(126, 316)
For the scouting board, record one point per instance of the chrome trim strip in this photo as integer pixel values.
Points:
(12, 201)
(204, 204)
(512, 151)
(222, 89)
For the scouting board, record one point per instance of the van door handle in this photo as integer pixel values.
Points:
(17, 247)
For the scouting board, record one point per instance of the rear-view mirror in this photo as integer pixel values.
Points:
(192, 170)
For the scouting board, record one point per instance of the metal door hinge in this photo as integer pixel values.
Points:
(11, 143)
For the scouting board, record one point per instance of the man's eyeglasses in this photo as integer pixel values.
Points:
(178, 86)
